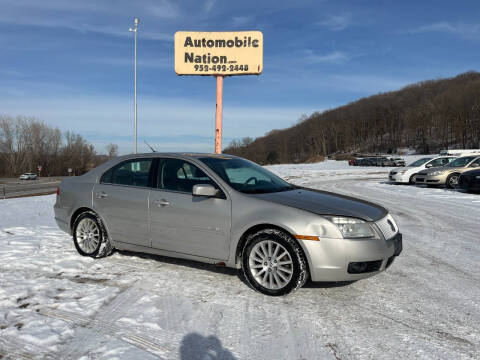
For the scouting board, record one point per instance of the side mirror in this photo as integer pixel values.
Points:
(428, 165)
(204, 190)
(475, 165)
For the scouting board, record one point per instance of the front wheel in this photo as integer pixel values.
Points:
(273, 263)
(412, 179)
(90, 237)
(452, 181)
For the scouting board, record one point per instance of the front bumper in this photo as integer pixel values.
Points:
(399, 178)
(329, 259)
(430, 179)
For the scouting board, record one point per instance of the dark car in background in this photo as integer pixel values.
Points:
(379, 161)
(470, 180)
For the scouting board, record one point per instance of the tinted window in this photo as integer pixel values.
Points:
(476, 162)
(439, 162)
(420, 162)
(460, 162)
(180, 175)
(246, 176)
(133, 172)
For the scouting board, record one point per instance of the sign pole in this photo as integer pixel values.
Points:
(218, 115)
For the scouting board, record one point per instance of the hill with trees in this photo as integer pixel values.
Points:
(428, 116)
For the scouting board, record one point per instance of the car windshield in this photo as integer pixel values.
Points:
(246, 176)
(460, 162)
(420, 162)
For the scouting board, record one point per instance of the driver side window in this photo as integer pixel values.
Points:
(476, 163)
(179, 175)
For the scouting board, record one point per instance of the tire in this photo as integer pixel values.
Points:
(90, 237)
(452, 181)
(267, 245)
(411, 181)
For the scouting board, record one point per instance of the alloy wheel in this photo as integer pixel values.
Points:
(88, 235)
(270, 264)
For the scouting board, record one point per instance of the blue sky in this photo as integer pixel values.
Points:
(70, 63)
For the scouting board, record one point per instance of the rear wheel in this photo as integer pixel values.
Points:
(90, 237)
(273, 263)
(452, 181)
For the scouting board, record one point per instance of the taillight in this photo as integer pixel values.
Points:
(58, 190)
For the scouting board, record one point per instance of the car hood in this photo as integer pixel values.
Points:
(326, 203)
(404, 168)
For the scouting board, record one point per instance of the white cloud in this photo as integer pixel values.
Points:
(336, 22)
(166, 62)
(207, 7)
(462, 29)
(366, 84)
(241, 20)
(332, 57)
(104, 17)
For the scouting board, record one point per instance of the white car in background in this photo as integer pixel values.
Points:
(407, 174)
(28, 176)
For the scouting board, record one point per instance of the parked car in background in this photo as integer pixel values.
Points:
(28, 176)
(379, 160)
(225, 210)
(449, 174)
(398, 161)
(388, 162)
(362, 162)
(470, 180)
(409, 173)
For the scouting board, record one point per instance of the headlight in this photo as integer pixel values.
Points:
(435, 173)
(477, 177)
(352, 227)
(402, 172)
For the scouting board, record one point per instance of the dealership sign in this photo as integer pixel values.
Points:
(218, 53)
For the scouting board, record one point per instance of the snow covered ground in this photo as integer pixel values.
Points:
(56, 304)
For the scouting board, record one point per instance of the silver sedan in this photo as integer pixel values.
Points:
(226, 210)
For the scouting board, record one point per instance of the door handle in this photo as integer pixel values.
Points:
(101, 195)
(162, 202)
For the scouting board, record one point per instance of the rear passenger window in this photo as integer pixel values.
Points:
(133, 173)
(179, 175)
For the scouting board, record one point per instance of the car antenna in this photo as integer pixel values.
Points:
(151, 148)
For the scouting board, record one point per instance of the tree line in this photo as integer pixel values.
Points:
(427, 116)
(26, 143)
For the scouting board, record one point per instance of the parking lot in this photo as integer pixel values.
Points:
(13, 187)
(56, 304)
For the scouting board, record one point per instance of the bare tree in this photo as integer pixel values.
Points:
(112, 150)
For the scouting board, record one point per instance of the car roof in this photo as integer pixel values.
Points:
(177, 154)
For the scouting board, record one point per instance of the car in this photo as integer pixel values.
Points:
(388, 162)
(470, 180)
(449, 174)
(379, 161)
(363, 162)
(398, 161)
(28, 176)
(408, 174)
(229, 211)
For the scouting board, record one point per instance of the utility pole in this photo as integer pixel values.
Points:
(135, 30)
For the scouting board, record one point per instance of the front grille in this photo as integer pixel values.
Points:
(387, 226)
(393, 172)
